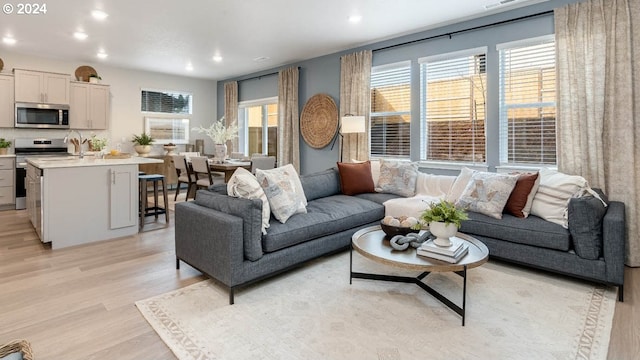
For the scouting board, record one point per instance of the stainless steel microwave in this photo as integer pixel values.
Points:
(42, 116)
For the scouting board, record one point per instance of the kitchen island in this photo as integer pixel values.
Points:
(72, 201)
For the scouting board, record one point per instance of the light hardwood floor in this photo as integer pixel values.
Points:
(78, 303)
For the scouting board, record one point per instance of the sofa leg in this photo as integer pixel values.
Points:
(177, 264)
(621, 293)
(230, 296)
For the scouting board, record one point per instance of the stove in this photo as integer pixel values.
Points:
(30, 148)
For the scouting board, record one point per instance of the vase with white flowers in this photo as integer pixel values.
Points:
(220, 133)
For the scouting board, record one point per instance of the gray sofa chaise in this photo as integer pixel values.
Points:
(221, 235)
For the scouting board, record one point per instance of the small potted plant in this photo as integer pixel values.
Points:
(4, 146)
(444, 220)
(142, 144)
(94, 78)
(96, 143)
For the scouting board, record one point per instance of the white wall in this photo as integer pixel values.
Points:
(126, 118)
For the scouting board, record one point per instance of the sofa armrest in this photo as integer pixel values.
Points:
(613, 242)
(207, 239)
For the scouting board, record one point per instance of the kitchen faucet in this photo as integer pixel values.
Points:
(66, 138)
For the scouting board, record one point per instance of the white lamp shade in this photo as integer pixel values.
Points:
(352, 124)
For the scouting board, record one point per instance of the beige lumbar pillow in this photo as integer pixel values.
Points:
(551, 201)
(244, 185)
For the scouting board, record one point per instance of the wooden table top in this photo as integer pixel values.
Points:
(371, 243)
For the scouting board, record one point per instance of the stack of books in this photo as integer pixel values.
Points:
(451, 254)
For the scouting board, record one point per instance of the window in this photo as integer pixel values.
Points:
(258, 127)
(169, 102)
(527, 102)
(452, 107)
(391, 110)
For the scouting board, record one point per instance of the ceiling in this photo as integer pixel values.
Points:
(250, 35)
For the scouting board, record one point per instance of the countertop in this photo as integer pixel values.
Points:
(74, 161)
(8, 156)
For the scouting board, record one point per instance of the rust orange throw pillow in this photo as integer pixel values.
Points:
(355, 178)
(518, 198)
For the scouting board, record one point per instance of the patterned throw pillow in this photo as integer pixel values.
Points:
(397, 177)
(284, 191)
(487, 193)
(244, 185)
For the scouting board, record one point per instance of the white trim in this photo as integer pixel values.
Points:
(453, 55)
(391, 66)
(258, 102)
(539, 40)
(450, 165)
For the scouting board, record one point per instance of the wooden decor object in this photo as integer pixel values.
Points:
(319, 121)
(83, 72)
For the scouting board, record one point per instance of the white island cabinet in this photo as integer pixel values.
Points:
(78, 201)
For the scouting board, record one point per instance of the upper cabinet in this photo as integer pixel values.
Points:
(7, 117)
(41, 87)
(89, 106)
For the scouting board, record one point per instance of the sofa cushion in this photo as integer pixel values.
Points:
(355, 178)
(321, 184)
(243, 184)
(553, 195)
(284, 191)
(522, 192)
(379, 198)
(531, 231)
(325, 216)
(397, 177)
(250, 210)
(585, 225)
(487, 193)
(460, 183)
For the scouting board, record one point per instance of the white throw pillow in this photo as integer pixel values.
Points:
(460, 184)
(243, 184)
(284, 191)
(397, 177)
(487, 193)
(551, 201)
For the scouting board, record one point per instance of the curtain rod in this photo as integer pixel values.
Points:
(450, 34)
(263, 75)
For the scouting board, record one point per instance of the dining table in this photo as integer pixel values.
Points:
(228, 167)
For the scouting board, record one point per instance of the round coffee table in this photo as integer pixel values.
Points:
(371, 243)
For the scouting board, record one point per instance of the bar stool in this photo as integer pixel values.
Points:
(155, 210)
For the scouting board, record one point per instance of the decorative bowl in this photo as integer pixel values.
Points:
(392, 231)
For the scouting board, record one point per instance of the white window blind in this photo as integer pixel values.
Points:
(162, 101)
(452, 101)
(527, 102)
(391, 110)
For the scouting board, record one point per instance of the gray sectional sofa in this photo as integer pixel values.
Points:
(221, 235)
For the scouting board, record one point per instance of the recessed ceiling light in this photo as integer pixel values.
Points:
(355, 19)
(99, 14)
(189, 67)
(80, 35)
(9, 40)
(102, 55)
(261, 58)
(217, 58)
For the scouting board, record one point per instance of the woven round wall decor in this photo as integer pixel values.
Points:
(319, 121)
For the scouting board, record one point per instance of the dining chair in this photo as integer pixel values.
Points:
(237, 155)
(184, 174)
(262, 163)
(189, 154)
(254, 155)
(204, 176)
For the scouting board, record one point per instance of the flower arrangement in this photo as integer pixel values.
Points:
(97, 144)
(445, 212)
(219, 132)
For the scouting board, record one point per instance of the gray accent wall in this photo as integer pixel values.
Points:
(322, 74)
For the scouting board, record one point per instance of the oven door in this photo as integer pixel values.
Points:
(21, 188)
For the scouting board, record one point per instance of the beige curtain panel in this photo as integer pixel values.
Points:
(598, 99)
(288, 118)
(355, 99)
(231, 111)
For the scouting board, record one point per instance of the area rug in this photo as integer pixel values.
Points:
(314, 313)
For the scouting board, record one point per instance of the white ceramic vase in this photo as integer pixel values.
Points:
(143, 150)
(443, 232)
(220, 151)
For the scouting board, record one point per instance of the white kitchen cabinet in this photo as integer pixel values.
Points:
(123, 197)
(7, 113)
(88, 106)
(7, 183)
(41, 87)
